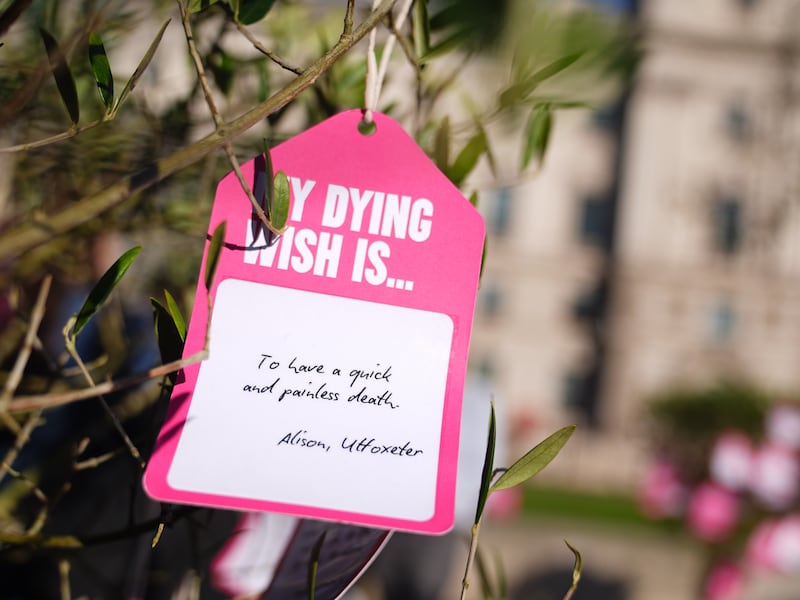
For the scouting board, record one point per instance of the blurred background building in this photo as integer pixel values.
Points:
(660, 243)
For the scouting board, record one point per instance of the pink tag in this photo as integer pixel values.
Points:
(338, 354)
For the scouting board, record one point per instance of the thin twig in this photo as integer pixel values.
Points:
(348, 17)
(198, 64)
(63, 573)
(15, 376)
(473, 548)
(134, 451)
(22, 438)
(266, 51)
(218, 122)
(64, 135)
(28, 235)
(41, 401)
(27, 481)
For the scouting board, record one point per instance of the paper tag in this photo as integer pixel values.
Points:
(338, 354)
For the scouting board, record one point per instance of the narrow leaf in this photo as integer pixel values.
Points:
(176, 314)
(11, 14)
(441, 147)
(64, 81)
(537, 133)
(535, 460)
(520, 91)
(214, 250)
(279, 211)
(103, 289)
(488, 150)
(148, 56)
(313, 564)
(473, 199)
(556, 67)
(467, 159)
(195, 6)
(252, 11)
(452, 42)
(101, 69)
(576, 571)
(488, 465)
(170, 341)
(422, 28)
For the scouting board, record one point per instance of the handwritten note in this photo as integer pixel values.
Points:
(338, 353)
(315, 392)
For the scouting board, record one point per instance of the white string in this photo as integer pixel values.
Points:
(375, 75)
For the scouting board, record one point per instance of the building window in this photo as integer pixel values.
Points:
(596, 221)
(580, 390)
(722, 323)
(746, 4)
(726, 224)
(498, 220)
(738, 124)
(490, 300)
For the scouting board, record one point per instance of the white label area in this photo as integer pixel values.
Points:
(318, 401)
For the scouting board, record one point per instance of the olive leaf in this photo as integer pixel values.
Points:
(143, 64)
(279, 211)
(101, 69)
(534, 461)
(468, 157)
(170, 341)
(62, 75)
(537, 133)
(313, 564)
(103, 288)
(421, 28)
(576, 571)
(176, 314)
(214, 251)
(488, 465)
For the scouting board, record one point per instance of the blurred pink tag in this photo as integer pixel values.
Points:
(338, 354)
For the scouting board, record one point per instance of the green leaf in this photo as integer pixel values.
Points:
(520, 91)
(170, 341)
(248, 12)
(537, 133)
(576, 571)
(422, 28)
(441, 147)
(489, 154)
(176, 314)
(313, 564)
(61, 73)
(467, 159)
(488, 465)
(101, 69)
(214, 250)
(535, 460)
(473, 199)
(196, 6)
(452, 42)
(148, 56)
(279, 211)
(103, 289)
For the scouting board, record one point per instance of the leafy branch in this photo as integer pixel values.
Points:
(26, 236)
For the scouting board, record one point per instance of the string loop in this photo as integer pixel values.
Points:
(376, 74)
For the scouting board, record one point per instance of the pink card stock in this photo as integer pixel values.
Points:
(338, 353)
